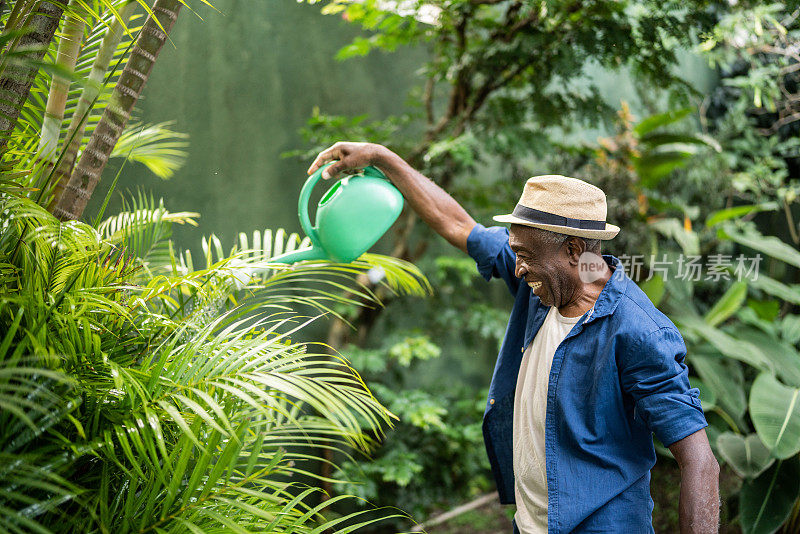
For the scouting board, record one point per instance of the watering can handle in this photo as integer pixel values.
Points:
(375, 173)
(302, 205)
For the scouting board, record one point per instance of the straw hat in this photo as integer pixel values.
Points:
(564, 205)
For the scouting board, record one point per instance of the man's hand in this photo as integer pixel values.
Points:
(438, 209)
(349, 157)
(699, 502)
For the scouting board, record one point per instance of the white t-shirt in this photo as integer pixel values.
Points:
(530, 408)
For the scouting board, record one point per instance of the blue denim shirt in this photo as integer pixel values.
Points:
(616, 378)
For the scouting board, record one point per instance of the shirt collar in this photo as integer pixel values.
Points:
(612, 292)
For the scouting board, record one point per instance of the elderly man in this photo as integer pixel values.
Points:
(588, 369)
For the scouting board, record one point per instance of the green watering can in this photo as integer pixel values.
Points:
(354, 213)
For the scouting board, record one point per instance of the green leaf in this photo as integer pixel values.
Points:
(674, 229)
(766, 502)
(725, 379)
(654, 289)
(765, 310)
(785, 358)
(775, 411)
(789, 293)
(359, 47)
(746, 455)
(790, 328)
(769, 245)
(662, 119)
(652, 167)
(660, 139)
(727, 304)
(719, 216)
(157, 146)
(411, 348)
(730, 346)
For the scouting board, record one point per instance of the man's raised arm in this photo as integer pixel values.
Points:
(432, 203)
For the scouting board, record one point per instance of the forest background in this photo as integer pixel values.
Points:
(684, 114)
(430, 361)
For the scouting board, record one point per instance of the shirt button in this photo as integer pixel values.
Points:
(491, 401)
(522, 349)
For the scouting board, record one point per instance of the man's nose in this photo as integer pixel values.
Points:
(520, 270)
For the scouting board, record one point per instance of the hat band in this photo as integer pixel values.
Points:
(543, 217)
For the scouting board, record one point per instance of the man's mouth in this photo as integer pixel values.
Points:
(535, 285)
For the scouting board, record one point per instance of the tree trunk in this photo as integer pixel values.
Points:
(16, 81)
(84, 179)
(77, 125)
(68, 48)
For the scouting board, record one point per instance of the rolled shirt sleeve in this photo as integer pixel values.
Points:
(490, 249)
(654, 374)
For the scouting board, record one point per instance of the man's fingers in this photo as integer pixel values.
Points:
(327, 155)
(348, 158)
(335, 169)
(322, 159)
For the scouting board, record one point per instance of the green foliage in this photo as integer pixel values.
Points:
(767, 502)
(505, 80)
(639, 164)
(748, 236)
(434, 455)
(417, 408)
(727, 305)
(742, 342)
(65, 102)
(776, 415)
(747, 455)
(156, 146)
(141, 390)
(414, 348)
(755, 50)
(323, 130)
(657, 153)
(137, 391)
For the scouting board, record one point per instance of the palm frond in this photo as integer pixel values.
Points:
(143, 230)
(261, 364)
(233, 484)
(157, 146)
(198, 404)
(33, 399)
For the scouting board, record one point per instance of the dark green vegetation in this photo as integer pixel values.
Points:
(142, 389)
(118, 408)
(508, 87)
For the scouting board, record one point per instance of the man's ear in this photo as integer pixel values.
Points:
(575, 246)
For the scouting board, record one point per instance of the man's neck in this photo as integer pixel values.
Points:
(587, 296)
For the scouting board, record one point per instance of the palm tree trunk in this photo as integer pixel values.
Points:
(80, 118)
(84, 179)
(16, 80)
(68, 48)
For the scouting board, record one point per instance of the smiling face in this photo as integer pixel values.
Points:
(548, 263)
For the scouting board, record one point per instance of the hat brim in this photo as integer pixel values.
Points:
(609, 232)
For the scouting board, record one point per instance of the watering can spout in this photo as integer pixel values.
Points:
(304, 254)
